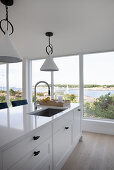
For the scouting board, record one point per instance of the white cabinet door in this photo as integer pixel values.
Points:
(76, 125)
(46, 166)
(62, 142)
(21, 149)
(36, 158)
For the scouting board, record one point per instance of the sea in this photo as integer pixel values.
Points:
(90, 93)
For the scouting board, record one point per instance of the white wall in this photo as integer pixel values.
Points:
(98, 126)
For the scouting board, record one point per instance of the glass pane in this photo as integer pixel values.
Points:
(3, 83)
(37, 75)
(99, 85)
(15, 81)
(66, 80)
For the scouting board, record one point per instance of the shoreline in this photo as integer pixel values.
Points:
(100, 89)
(94, 88)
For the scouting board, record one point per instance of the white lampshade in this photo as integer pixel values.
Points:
(49, 65)
(8, 52)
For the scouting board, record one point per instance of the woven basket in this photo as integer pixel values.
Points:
(55, 103)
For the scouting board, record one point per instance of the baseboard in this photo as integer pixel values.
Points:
(98, 126)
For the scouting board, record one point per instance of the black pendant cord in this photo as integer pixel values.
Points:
(8, 23)
(7, 16)
(49, 48)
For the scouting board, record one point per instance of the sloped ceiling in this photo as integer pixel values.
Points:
(84, 26)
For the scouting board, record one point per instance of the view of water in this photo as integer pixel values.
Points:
(97, 93)
(91, 93)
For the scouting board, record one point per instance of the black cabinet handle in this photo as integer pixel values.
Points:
(66, 128)
(36, 137)
(79, 110)
(36, 153)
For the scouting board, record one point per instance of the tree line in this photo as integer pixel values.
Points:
(76, 85)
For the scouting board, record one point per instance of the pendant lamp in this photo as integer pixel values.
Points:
(49, 64)
(8, 52)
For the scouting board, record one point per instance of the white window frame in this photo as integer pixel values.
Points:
(7, 84)
(80, 79)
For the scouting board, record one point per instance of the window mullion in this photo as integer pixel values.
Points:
(52, 85)
(7, 83)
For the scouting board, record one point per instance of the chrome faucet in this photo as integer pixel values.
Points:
(35, 103)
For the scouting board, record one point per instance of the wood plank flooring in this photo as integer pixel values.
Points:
(95, 152)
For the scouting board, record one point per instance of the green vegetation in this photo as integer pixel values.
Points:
(76, 86)
(66, 85)
(96, 85)
(2, 99)
(38, 94)
(91, 85)
(2, 96)
(108, 86)
(103, 107)
(14, 95)
(85, 86)
(71, 97)
(2, 91)
(12, 92)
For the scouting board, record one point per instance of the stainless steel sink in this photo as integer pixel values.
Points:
(48, 112)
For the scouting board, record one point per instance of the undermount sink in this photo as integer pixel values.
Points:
(48, 112)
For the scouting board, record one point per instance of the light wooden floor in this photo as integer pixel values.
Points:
(95, 152)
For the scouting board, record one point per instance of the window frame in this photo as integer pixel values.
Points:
(7, 84)
(80, 79)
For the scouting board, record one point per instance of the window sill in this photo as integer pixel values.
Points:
(99, 120)
(98, 126)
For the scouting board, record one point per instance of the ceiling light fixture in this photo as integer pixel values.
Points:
(49, 64)
(8, 52)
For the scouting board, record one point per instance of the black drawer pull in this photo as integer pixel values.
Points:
(36, 153)
(79, 110)
(36, 137)
(66, 128)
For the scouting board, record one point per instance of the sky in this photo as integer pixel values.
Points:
(98, 69)
(68, 71)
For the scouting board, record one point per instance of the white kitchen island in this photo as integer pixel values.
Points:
(30, 142)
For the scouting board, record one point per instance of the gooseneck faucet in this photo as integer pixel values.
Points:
(35, 103)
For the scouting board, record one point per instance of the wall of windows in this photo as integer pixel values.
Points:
(98, 82)
(99, 85)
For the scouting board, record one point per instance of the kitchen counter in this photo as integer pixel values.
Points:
(17, 122)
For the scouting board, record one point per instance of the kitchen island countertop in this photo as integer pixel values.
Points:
(18, 122)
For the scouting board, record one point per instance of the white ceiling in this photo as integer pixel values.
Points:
(78, 25)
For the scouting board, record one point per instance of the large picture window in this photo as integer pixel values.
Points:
(13, 75)
(99, 85)
(15, 81)
(66, 80)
